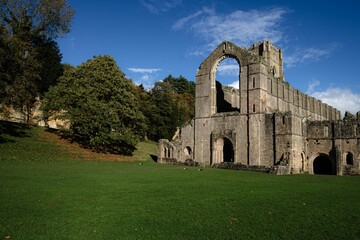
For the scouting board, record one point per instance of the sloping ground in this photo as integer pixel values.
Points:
(38, 141)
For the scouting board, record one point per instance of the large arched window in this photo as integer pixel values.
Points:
(227, 85)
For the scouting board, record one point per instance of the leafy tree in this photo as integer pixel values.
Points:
(162, 112)
(32, 61)
(100, 104)
(49, 18)
(181, 84)
(48, 54)
(169, 105)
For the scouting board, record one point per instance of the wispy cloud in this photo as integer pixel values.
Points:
(159, 6)
(179, 24)
(241, 27)
(228, 69)
(144, 70)
(344, 99)
(302, 55)
(312, 85)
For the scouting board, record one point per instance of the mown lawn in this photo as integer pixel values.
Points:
(48, 191)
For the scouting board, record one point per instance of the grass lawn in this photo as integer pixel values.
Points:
(50, 189)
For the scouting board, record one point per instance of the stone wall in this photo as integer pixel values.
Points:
(36, 117)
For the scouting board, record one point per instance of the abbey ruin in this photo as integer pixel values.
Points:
(266, 124)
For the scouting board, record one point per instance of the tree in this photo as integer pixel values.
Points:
(33, 59)
(48, 54)
(100, 103)
(50, 18)
(170, 104)
(181, 84)
(162, 112)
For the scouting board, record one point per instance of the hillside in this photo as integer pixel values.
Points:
(41, 144)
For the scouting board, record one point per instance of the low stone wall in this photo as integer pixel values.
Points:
(188, 162)
(277, 170)
(236, 166)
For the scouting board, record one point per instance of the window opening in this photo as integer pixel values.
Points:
(227, 80)
(349, 159)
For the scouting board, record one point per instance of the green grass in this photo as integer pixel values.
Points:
(48, 193)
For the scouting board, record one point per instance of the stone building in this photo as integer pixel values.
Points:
(265, 124)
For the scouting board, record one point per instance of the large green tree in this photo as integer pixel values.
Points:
(100, 104)
(32, 58)
(167, 106)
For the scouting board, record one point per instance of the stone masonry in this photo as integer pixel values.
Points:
(265, 124)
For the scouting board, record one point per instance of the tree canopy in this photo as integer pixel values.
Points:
(31, 60)
(101, 105)
(50, 18)
(167, 106)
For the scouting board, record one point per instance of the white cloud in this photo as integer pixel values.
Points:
(159, 6)
(235, 84)
(311, 87)
(344, 99)
(241, 27)
(228, 69)
(145, 76)
(301, 55)
(144, 70)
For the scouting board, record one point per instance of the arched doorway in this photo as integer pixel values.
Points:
(223, 151)
(228, 151)
(323, 165)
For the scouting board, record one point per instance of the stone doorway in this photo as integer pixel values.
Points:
(323, 165)
(228, 151)
(223, 151)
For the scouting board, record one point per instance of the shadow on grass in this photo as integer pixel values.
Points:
(11, 129)
(118, 148)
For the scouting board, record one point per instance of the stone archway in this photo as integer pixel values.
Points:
(188, 152)
(349, 158)
(226, 98)
(228, 151)
(220, 97)
(223, 151)
(323, 165)
(206, 89)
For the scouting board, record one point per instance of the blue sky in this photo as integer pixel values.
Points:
(151, 39)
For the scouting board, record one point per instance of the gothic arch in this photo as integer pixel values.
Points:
(323, 164)
(349, 158)
(188, 152)
(206, 75)
(224, 101)
(223, 150)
